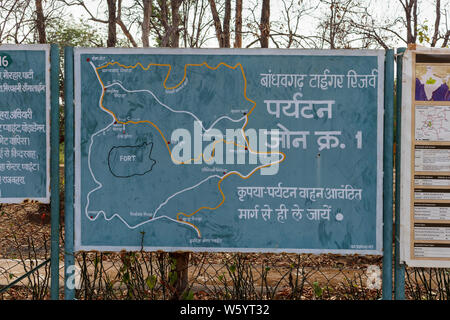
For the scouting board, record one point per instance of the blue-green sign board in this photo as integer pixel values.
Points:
(24, 123)
(229, 150)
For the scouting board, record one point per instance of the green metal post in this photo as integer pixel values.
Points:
(388, 164)
(54, 172)
(69, 272)
(399, 282)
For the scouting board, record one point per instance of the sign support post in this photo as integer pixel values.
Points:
(399, 269)
(69, 272)
(54, 167)
(388, 174)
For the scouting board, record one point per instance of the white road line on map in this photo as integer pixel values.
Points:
(100, 185)
(186, 189)
(116, 215)
(177, 111)
(191, 114)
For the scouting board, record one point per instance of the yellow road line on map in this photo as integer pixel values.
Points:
(166, 142)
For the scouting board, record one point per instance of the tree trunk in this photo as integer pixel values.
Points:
(222, 34)
(238, 25)
(437, 21)
(181, 260)
(226, 24)
(112, 32)
(415, 21)
(332, 25)
(217, 24)
(40, 22)
(175, 29)
(410, 8)
(146, 23)
(446, 37)
(265, 24)
(165, 39)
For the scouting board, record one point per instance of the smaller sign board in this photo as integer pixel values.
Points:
(425, 162)
(24, 123)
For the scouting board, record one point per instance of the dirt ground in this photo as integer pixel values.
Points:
(23, 227)
(25, 236)
(20, 221)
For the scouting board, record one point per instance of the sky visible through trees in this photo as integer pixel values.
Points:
(320, 24)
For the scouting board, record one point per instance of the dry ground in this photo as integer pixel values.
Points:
(25, 237)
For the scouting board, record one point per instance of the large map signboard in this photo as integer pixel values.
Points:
(229, 150)
(24, 123)
(425, 170)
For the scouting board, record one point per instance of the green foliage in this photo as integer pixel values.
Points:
(70, 34)
(151, 282)
(422, 33)
(318, 291)
(61, 153)
(173, 276)
(188, 295)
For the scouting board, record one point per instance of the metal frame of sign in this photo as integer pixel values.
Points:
(274, 52)
(384, 167)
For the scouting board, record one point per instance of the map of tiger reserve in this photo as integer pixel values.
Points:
(433, 123)
(133, 160)
(220, 151)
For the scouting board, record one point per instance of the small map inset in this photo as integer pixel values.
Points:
(432, 83)
(432, 123)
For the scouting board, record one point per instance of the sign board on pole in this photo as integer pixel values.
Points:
(229, 150)
(425, 162)
(24, 123)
